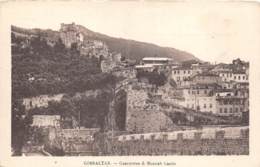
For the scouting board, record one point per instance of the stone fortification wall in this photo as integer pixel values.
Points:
(231, 141)
(142, 115)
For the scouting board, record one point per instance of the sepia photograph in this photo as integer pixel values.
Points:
(106, 79)
(78, 92)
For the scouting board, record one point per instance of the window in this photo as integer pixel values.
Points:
(184, 72)
(244, 77)
(235, 77)
(225, 110)
(236, 110)
(220, 110)
(188, 71)
(205, 106)
(238, 77)
(210, 105)
(205, 91)
(174, 72)
(198, 92)
(230, 110)
(198, 107)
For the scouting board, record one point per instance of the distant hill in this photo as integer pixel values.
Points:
(129, 48)
(137, 50)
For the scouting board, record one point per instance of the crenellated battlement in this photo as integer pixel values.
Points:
(216, 133)
(217, 141)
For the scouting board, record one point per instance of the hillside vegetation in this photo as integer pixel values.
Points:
(38, 68)
(129, 48)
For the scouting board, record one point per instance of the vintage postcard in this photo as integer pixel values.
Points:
(129, 83)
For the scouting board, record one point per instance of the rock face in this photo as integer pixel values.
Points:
(144, 116)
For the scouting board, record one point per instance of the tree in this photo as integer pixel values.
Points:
(59, 47)
(20, 126)
(66, 109)
(74, 48)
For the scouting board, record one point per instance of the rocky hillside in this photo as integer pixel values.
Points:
(38, 68)
(129, 48)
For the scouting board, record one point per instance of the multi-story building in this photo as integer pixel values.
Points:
(240, 76)
(206, 78)
(228, 85)
(229, 105)
(242, 91)
(200, 97)
(237, 71)
(226, 75)
(181, 74)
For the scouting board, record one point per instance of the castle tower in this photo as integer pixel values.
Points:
(69, 34)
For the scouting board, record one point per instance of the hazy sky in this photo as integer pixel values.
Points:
(212, 32)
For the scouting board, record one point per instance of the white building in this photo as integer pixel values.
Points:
(40, 101)
(156, 61)
(200, 98)
(228, 76)
(46, 120)
(240, 77)
(145, 67)
(181, 73)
